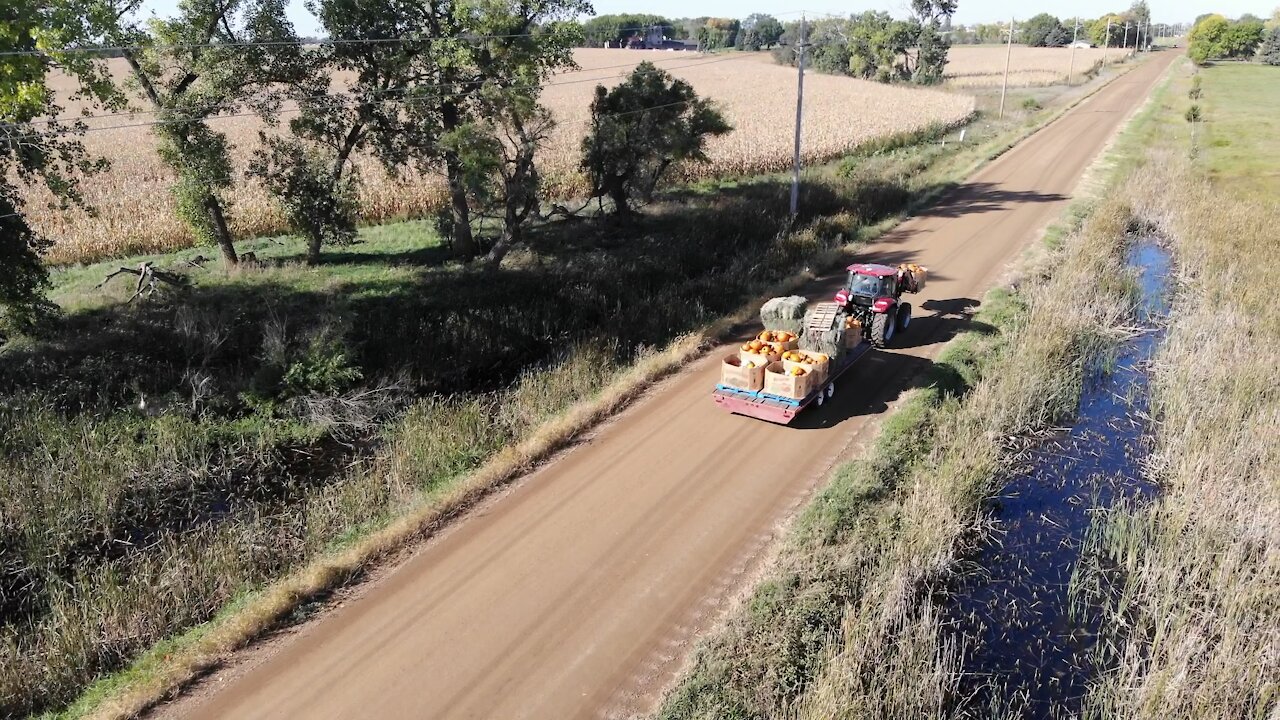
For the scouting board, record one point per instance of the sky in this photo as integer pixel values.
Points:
(971, 11)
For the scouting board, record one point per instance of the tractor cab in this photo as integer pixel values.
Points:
(871, 297)
(865, 287)
(869, 283)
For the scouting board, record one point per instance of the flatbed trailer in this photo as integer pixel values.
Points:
(774, 409)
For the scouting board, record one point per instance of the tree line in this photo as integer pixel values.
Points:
(874, 45)
(758, 31)
(447, 86)
(1047, 30)
(1214, 37)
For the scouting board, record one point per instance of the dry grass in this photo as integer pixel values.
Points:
(136, 212)
(975, 67)
(1196, 619)
(893, 657)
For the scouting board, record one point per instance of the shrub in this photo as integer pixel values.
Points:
(640, 128)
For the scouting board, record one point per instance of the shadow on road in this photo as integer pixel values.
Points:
(981, 197)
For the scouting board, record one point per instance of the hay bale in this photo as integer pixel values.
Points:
(784, 313)
(824, 331)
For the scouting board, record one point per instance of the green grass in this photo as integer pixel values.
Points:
(1243, 136)
(379, 254)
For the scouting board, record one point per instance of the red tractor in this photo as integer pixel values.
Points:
(873, 296)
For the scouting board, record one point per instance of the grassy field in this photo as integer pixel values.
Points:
(983, 66)
(1197, 613)
(166, 458)
(756, 95)
(1244, 137)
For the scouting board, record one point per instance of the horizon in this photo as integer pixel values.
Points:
(970, 12)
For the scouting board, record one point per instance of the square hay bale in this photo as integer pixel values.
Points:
(824, 331)
(784, 313)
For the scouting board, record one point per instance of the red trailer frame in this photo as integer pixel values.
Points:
(781, 410)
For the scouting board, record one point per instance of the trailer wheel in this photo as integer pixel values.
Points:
(831, 390)
(821, 396)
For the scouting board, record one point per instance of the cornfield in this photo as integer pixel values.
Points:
(134, 211)
(973, 67)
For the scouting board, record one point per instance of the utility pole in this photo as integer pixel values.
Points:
(1106, 44)
(1075, 37)
(1008, 60)
(795, 178)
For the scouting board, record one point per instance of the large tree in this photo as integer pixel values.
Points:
(470, 45)
(1109, 30)
(1243, 38)
(36, 144)
(875, 46)
(1215, 37)
(213, 58)
(311, 171)
(505, 126)
(1043, 30)
(767, 30)
(718, 33)
(639, 129)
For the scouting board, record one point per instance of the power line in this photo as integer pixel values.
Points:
(230, 116)
(137, 113)
(103, 49)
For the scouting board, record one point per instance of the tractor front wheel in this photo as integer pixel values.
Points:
(904, 317)
(883, 326)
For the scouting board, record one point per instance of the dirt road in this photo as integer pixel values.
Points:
(578, 592)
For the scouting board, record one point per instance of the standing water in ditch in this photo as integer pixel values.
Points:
(1030, 642)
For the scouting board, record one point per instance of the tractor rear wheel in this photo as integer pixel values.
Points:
(883, 326)
(904, 317)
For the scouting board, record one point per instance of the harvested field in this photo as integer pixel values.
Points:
(136, 212)
(974, 67)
